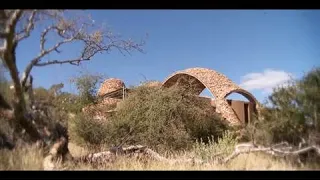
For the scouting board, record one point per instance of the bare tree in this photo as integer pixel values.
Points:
(66, 28)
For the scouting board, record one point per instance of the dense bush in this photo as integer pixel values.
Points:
(160, 118)
(293, 112)
(86, 131)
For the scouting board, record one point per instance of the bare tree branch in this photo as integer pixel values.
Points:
(27, 30)
(143, 151)
(131, 151)
(43, 52)
(93, 43)
(270, 150)
(14, 20)
(70, 61)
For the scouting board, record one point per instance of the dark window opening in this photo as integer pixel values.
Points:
(246, 113)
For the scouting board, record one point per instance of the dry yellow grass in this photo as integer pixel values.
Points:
(31, 158)
(76, 150)
(243, 162)
(253, 161)
(22, 158)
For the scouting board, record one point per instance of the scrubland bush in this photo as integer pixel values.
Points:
(292, 113)
(163, 119)
(86, 131)
(223, 146)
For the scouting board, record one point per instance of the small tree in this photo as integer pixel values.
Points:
(67, 28)
(87, 85)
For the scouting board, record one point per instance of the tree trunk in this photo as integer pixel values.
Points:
(19, 105)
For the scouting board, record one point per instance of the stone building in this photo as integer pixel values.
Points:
(196, 80)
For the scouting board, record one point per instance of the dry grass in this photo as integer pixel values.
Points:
(30, 158)
(253, 161)
(21, 158)
(76, 150)
(243, 162)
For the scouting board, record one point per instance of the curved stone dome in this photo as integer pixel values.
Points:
(110, 85)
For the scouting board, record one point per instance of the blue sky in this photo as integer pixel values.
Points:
(256, 49)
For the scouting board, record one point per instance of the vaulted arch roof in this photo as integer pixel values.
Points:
(197, 79)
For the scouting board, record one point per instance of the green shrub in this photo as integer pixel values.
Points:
(292, 113)
(162, 119)
(86, 131)
(222, 145)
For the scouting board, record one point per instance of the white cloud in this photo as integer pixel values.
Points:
(265, 80)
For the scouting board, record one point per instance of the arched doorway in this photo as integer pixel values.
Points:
(243, 107)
